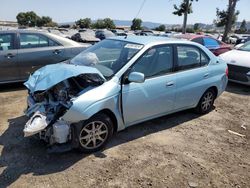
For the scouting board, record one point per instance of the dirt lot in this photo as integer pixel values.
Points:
(180, 150)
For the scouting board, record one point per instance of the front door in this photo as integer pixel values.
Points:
(156, 96)
(9, 70)
(35, 51)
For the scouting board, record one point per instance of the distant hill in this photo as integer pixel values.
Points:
(152, 25)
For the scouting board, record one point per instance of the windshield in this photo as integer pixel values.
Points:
(245, 47)
(108, 56)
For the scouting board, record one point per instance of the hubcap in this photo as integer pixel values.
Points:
(207, 101)
(93, 135)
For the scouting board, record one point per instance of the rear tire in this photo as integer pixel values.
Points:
(94, 133)
(206, 102)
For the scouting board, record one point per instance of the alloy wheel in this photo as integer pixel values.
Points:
(93, 135)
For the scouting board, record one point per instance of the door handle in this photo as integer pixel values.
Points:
(57, 51)
(9, 56)
(206, 75)
(169, 84)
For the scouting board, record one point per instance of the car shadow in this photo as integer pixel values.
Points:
(238, 88)
(12, 87)
(22, 156)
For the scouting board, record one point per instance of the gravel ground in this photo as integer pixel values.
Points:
(179, 150)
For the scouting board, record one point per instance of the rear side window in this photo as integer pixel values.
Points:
(211, 43)
(190, 57)
(35, 41)
(6, 42)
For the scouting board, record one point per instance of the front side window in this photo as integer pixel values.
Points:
(156, 61)
(108, 56)
(6, 42)
(190, 57)
(35, 41)
(211, 43)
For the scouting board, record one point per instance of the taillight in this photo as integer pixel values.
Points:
(227, 71)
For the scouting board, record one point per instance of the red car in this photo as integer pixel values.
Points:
(214, 45)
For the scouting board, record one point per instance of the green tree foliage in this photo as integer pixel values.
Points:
(184, 8)
(243, 26)
(31, 19)
(222, 17)
(161, 28)
(136, 24)
(99, 24)
(84, 23)
(104, 23)
(227, 18)
(109, 24)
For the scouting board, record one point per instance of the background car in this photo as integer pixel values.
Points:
(242, 39)
(233, 39)
(24, 51)
(214, 45)
(85, 36)
(104, 34)
(238, 61)
(120, 82)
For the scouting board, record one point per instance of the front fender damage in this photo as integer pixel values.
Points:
(51, 96)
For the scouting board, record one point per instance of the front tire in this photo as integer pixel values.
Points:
(206, 102)
(94, 133)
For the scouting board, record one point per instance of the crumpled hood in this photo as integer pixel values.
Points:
(50, 75)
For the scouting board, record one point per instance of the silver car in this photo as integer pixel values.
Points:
(24, 51)
(117, 83)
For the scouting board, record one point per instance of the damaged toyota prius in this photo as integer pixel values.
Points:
(117, 83)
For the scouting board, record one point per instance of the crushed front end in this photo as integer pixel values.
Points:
(52, 91)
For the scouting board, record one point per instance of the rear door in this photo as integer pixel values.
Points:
(37, 50)
(156, 96)
(8, 58)
(192, 75)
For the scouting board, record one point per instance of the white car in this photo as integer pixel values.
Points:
(238, 61)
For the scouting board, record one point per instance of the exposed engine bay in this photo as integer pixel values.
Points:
(46, 107)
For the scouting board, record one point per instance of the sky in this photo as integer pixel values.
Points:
(159, 11)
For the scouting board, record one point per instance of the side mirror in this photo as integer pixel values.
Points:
(136, 77)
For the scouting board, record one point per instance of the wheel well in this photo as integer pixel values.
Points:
(214, 88)
(112, 117)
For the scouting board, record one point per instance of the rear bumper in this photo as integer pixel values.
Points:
(239, 74)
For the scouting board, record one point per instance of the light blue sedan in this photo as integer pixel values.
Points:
(117, 83)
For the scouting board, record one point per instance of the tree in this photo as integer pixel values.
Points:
(161, 28)
(109, 24)
(99, 24)
(227, 17)
(31, 19)
(136, 24)
(43, 21)
(196, 27)
(184, 8)
(27, 18)
(84, 23)
(243, 26)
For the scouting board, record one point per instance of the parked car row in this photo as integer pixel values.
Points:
(214, 45)
(24, 51)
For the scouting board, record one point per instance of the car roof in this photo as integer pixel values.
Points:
(62, 40)
(145, 40)
(190, 36)
(22, 31)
